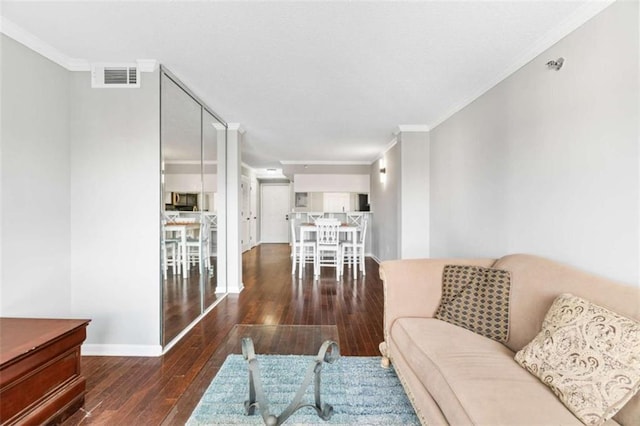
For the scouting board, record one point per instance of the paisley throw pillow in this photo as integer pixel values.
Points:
(588, 355)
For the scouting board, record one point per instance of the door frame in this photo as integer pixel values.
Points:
(245, 212)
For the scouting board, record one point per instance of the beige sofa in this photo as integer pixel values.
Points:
(454, 376)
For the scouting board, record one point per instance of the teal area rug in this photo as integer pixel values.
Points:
(360, 391)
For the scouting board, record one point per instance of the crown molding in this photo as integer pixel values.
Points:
(391, 144)
(76, 65)
(36, 44)
(147, 65)
(235, 126)
(572, 23)
(245, 165)
(411, 128)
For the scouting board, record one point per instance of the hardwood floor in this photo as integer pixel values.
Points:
(145, 391)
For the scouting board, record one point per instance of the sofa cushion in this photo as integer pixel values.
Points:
(473, 379)
(477, 299)
(588, 355)
(536, 282)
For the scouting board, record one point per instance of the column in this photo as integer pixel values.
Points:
(234, 231)
(414, 191)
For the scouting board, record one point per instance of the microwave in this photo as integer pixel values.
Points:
(184, 199)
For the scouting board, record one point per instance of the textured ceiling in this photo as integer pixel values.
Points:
(314, 81)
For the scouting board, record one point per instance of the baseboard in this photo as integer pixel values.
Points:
(375, 258)
(92, 349)
(235, 290)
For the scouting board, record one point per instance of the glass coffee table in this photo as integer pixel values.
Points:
(267, 340)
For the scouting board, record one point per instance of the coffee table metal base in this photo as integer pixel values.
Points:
(329, 353)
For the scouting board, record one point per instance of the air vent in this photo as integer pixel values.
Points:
(115, 76)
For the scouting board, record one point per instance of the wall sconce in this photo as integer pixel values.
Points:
(383, 171)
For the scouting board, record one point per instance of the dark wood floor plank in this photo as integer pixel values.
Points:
(153, 391)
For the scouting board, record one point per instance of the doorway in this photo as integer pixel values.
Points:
(275, 210)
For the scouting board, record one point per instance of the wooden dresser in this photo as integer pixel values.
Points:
(40, 380)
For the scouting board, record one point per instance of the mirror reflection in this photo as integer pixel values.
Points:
(332, 202)
(189, 209)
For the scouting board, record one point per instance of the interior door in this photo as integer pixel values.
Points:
(275, 208)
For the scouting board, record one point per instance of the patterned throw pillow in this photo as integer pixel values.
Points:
(477, 299)
(588, 355)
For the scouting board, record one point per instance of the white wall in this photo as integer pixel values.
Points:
(546, 162)
(331, 183)
(115, 200)
(35, 200)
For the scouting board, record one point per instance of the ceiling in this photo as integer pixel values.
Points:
(314, 82)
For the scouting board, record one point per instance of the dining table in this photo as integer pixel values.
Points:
(182, 229)
(306, 229)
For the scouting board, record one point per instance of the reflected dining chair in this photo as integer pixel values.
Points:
(328, 249)
(170, 256)
(353, 252)
(170, 246)
(307, 249)
(198, 248)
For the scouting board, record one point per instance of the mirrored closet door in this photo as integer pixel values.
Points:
(193, 200)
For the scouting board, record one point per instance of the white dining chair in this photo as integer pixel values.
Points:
(353, 252)
(328, 249)
(306, 250)
(355, 219)
(312, 217)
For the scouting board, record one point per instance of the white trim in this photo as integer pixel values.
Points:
(235, 126)
(411, 128)
(393, 143)
(325, 163)
(235, 290)
(76, 64)
(375, 258)
(580, 17)
(92, 349)
(36, 44)
(146, 65)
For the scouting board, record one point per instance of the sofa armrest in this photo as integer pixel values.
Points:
(413, 287)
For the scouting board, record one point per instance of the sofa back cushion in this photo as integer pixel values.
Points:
(536, 282)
